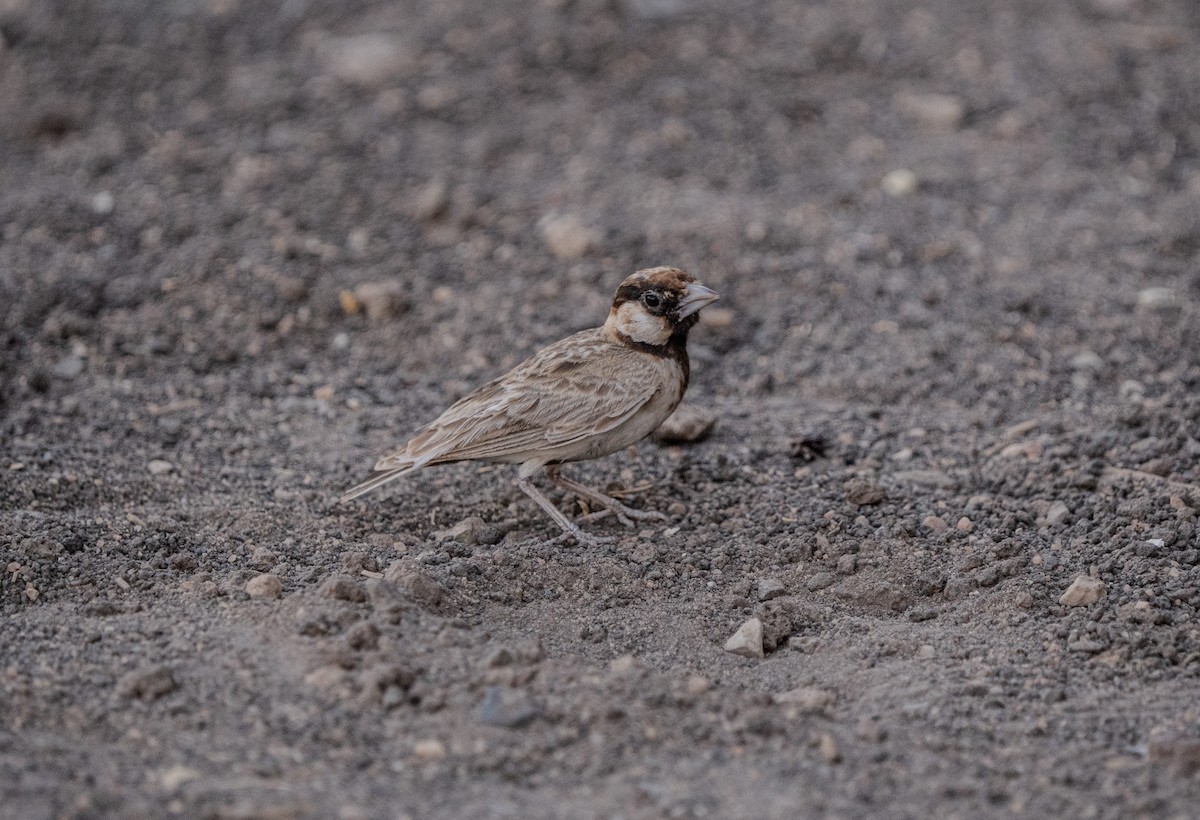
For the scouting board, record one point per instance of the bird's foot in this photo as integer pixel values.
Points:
(626, 515)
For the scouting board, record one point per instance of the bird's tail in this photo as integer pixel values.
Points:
(380, 478)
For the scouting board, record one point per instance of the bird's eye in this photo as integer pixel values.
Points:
(652, 300)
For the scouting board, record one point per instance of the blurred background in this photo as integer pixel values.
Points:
(872, 185)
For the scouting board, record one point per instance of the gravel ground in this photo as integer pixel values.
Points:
(949, 505)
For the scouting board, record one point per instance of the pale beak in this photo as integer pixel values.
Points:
(694, 298)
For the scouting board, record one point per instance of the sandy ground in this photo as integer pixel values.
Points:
(247, 246)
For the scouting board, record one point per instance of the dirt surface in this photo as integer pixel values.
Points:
(247, 246)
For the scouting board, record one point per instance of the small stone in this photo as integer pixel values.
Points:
(1086, 646)
(1025, 600)
(847, 564)
(935, 523)
(103, 203)
(697, 685)
(937, 112)
(415, 584)
(1083, 591)
(862, 492)
(159, 467)
(926, 652)
(507, 709)
(1087, 360)
(263, 558)
(464, 532)
(687, 425)
(748, 640)
(174, 777)
(147, 684)
(806, 698)
(381, 301)
(566, 235)
(769, 588)
(1057, 514)
(829, 748)
(900, 182)
(341, 588)
(429, 749)
(964, 524)
(821, 580)
(1031, 450)
(68, 367)
(264, 586)
(1155, 298)
(326, 678)
(432, 200)
(367, 59)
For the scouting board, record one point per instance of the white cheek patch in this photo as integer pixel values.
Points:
(641, 326)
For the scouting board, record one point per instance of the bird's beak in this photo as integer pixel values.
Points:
(694, 298)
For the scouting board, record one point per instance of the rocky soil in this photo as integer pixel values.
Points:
(946, 520)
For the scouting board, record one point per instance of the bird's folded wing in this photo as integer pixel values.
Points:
(562, 395)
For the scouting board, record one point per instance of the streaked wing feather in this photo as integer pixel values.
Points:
(579, 387)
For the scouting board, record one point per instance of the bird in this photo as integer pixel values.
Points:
(583, 397)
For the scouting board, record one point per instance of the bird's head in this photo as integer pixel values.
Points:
(655, 305)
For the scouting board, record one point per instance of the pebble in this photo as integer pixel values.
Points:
(935, 523)
(367, 59)
(829, 749)
(1087, 360)
(769, 588)
(964, 524)
(748, 640)
(847, 564)
(697, 684)
(1057, 514)
(687, 425)
(431, 200)
(415, 584)
(103, 203)
(429, 749)
(862, 492)
(938, 112)
(806, 698)
(263, 558)
(900, 182)
(566, 235)
(159, 467)
(381, 301)
(1155, 298)
(821, 580)
(68, 367)
(174, 777)
(147, 684)
(264, 586)
(464, 532)
(1083, 591)
(507, 709)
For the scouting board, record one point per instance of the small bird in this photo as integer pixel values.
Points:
(583, 397)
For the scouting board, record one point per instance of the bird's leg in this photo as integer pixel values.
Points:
(626, 515)
(569, 527)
